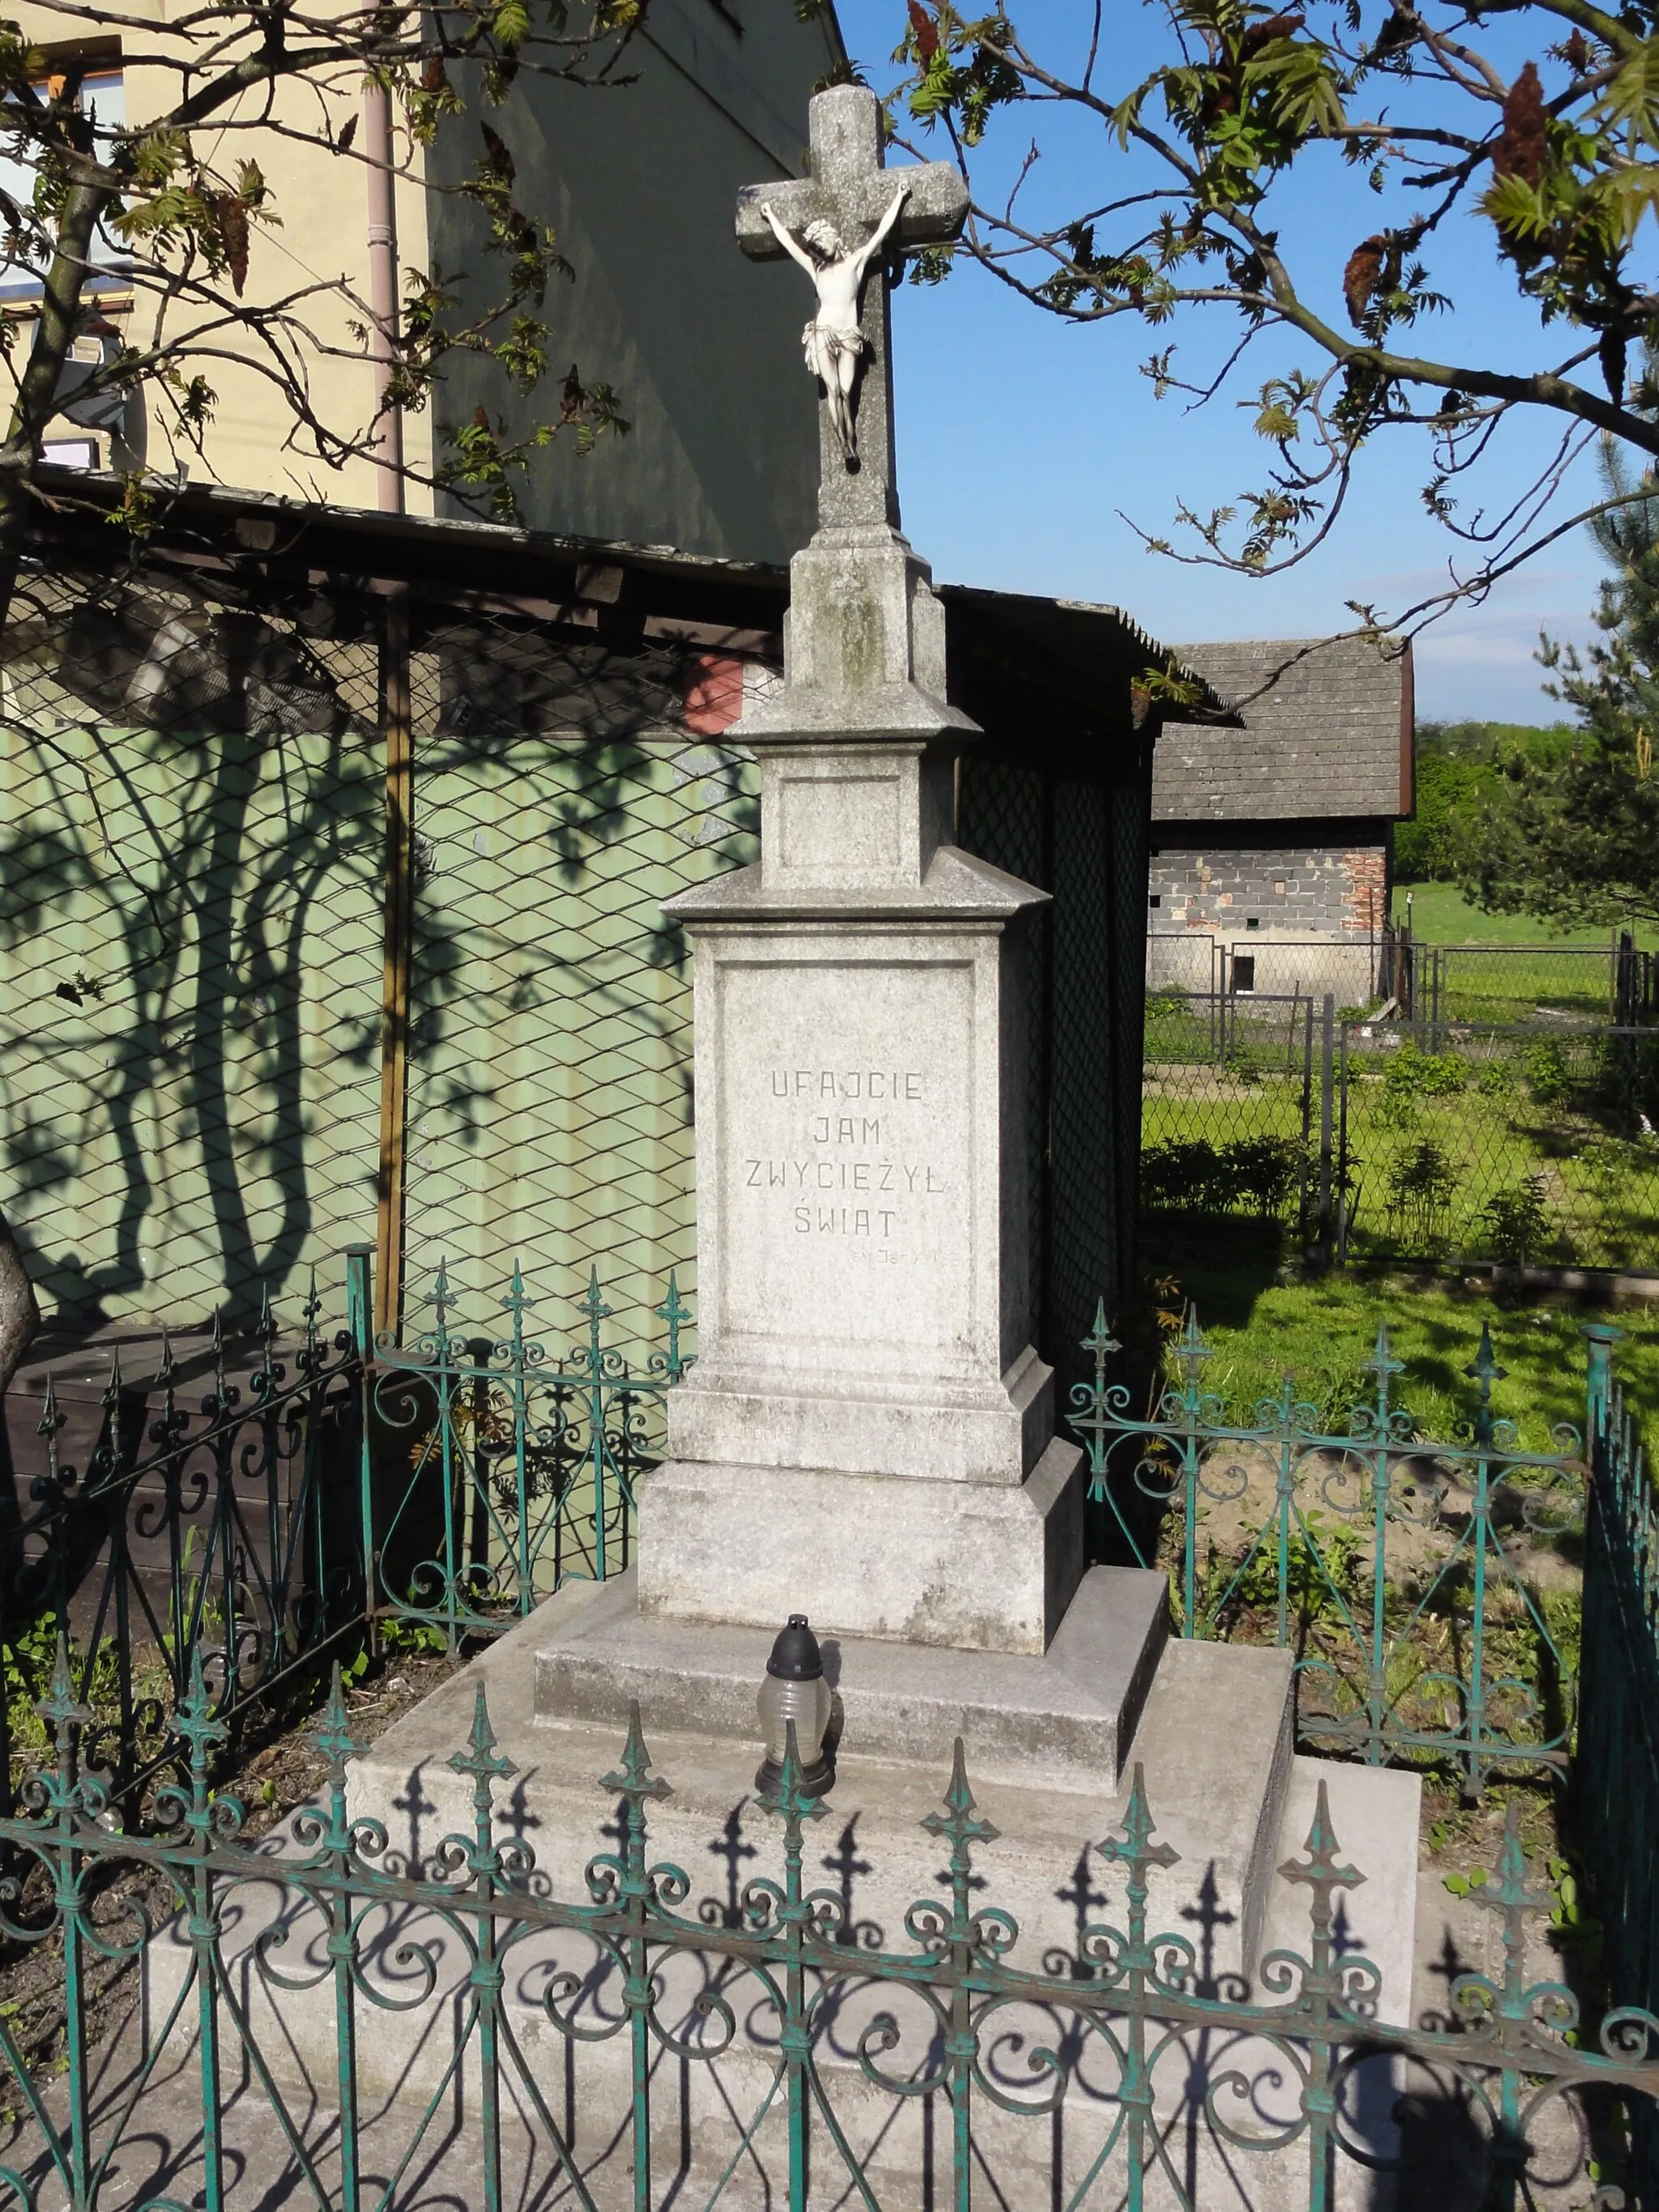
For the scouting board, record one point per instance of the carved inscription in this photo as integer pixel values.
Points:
(845, 1171)
(846, 1158)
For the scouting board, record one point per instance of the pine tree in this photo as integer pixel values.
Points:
(1578, 840)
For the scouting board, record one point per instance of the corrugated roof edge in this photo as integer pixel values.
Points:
(427, 529)
(1090, 613)
(415, 528)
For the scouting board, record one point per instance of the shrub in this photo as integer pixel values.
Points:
(1411, 1072)
(1411, 1075)
(1178, 1173)
(1545, 1066)
(1252, 1174)
(1260, 1172)
(1493, 1081)
(1420, 1187)
(1516, 1221)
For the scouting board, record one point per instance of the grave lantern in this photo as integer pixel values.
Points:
(794, 1690)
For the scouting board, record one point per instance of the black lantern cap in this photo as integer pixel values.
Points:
(795, 1655)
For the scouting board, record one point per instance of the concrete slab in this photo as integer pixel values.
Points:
(1374, 1813)
(1215, 1744)
(1061, 1722)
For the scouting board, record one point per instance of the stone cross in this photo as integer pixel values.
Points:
(850, 188)
(867, 1392)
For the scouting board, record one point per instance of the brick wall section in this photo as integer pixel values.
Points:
(713, 693)
(1307, 891)
(1366, 902)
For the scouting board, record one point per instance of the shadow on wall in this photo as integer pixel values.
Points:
(171, 858)
(191, 916)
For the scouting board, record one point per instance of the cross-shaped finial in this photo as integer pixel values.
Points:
(851, 192)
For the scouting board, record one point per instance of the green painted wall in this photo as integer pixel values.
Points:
(559, 799)
(191, 966)
(190, 982)
(191, 932)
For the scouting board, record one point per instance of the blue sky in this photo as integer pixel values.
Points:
(1023, 442)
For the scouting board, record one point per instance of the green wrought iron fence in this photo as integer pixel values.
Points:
(255, 1499)
(502, 1473)
(1388, 1561)
(625, 2050)
(215, 1525)
(1616, 1767)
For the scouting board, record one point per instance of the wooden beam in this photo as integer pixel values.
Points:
(398, 726)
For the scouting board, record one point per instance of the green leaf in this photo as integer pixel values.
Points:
(1630, 101)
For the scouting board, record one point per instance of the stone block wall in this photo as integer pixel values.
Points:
(1307, 890)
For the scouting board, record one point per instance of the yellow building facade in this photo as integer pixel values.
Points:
(637, 180)
(312, 258)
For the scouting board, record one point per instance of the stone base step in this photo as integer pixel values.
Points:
(1213, 1745)
(1062, 1721)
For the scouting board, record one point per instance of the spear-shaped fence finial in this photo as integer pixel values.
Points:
(960, 1825)
(675, 1313)
(1133, 1848)
(62, 1711)
(1191, 1353)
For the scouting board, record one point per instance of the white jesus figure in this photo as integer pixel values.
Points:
(832, 341)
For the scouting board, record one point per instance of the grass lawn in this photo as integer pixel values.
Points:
(1442, 915)
(1320, 1330)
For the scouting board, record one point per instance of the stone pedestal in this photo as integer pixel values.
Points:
(1062, 1721)
(868, 1433)
(1048, 1765)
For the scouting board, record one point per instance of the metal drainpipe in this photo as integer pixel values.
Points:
(383, 292)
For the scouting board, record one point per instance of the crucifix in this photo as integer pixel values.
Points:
(841, 224)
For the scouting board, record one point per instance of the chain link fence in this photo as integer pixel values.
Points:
(1391, 972)
(1231, 1111)
(331, 913)
(1357, 970)
(197, 991)
(1613, 982)
(559, 797)
(1530, 1144)
(190, 940)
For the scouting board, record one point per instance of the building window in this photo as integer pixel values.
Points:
(1157, 899)
(72, 452)
(103, 96)
(1252, 921)
(1245, 972)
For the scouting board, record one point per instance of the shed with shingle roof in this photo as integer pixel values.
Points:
(1274, 826)
(1326, 733)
